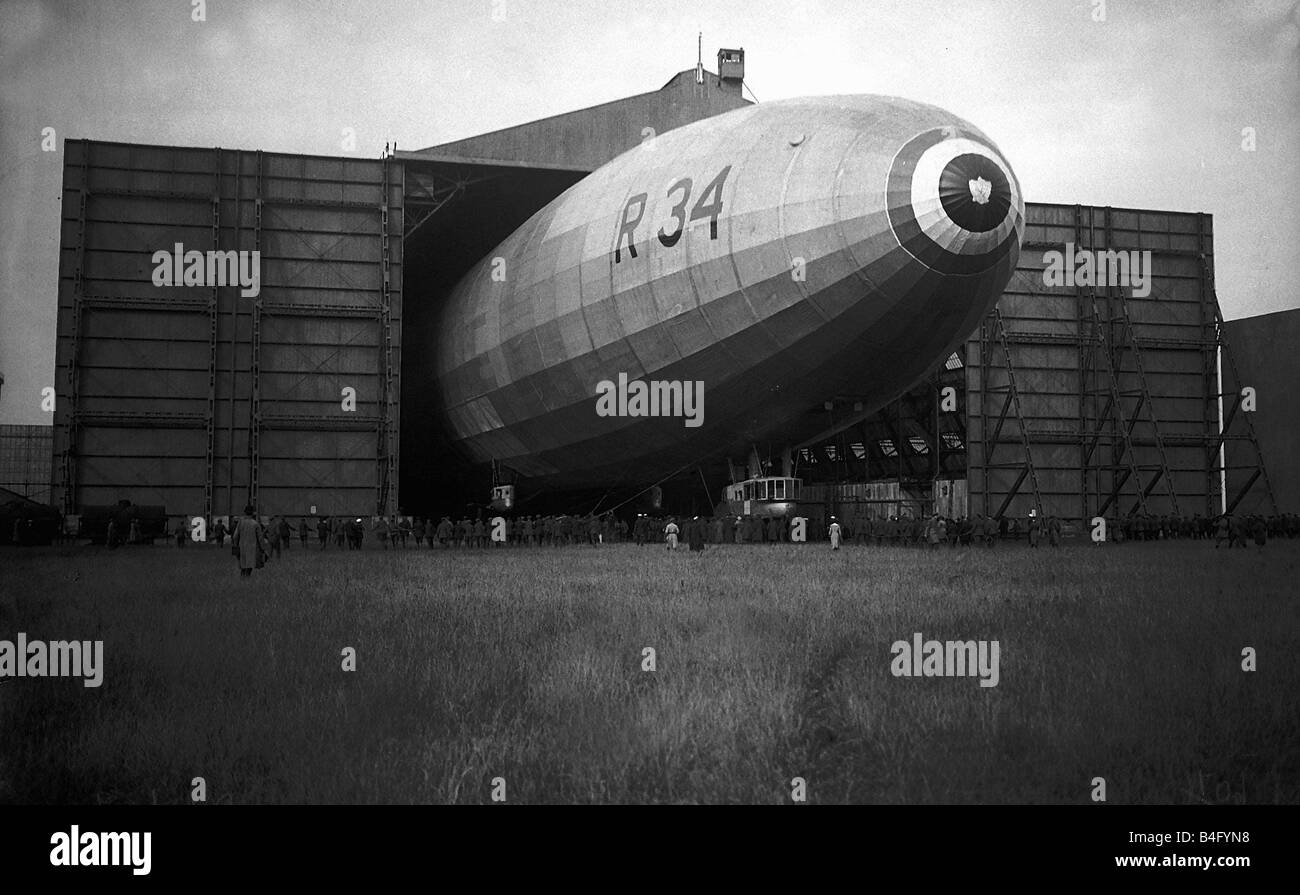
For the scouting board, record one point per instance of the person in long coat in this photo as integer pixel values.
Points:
(695, 535)
(273, 537)
(250, 544)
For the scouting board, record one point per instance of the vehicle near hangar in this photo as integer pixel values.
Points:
(763, 496)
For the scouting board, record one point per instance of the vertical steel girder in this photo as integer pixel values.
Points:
(1210, 385)
(255, 395)
(69, 458)
(233, 394)
(1124, 427)
(1083, 364)
(386, 453)
(211, 418)
(1014, 394)
(1146, 400)
(984, 413)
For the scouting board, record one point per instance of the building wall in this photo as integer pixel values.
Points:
(1266, 353)
(25, 453)
(199, 398)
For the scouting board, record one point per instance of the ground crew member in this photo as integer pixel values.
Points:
(670, 534)
(695, 535)
(274, 537)
(1259, 529)
(935, 531)
(249, 543)
(1054, 531)
(1221, 531)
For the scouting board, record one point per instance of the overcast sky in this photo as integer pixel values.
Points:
(1144, 108)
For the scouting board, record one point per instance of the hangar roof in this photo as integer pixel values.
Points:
(585, 139)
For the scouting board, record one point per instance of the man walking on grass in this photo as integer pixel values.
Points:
(670, 534)
(249, 543)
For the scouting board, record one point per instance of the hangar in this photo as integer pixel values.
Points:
(1078, 400)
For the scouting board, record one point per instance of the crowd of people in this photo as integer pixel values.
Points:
(255, 540)
(485, 532)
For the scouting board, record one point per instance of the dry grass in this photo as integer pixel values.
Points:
(773, 662)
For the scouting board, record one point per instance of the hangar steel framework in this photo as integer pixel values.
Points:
(201, 398)
(1108, 399)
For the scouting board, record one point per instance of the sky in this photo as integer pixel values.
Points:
(1129, 103)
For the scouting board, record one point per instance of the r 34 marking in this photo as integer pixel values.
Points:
(704, 208)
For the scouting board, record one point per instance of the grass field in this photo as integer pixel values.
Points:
(1121, 662)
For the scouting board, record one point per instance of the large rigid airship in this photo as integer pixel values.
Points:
(700, 292)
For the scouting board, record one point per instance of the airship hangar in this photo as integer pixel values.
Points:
(310, 396)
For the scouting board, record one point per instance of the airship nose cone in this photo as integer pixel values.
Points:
(954, 203)
(975, 193)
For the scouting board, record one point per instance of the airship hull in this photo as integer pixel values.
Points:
(772, 257)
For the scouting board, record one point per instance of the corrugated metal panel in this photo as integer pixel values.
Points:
(854, 502)
(199, 397)
(25, 453)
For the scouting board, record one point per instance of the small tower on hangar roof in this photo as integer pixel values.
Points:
(731, 69)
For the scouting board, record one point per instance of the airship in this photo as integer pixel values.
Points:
(702, 291)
